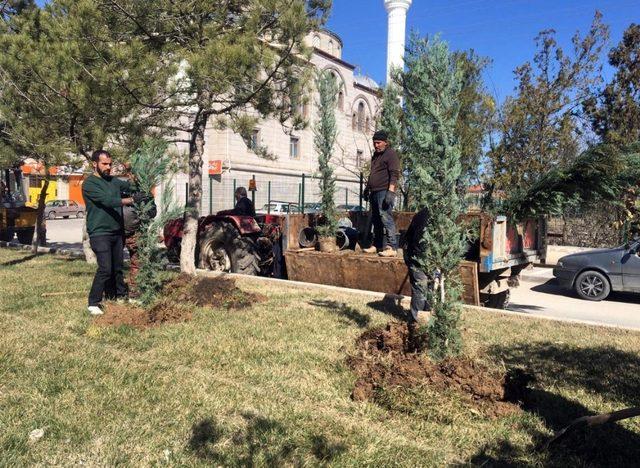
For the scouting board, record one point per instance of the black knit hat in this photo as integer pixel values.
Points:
(380, 135)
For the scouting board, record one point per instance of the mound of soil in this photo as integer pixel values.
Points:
(177, 296)
(116, 315)
(384, 358)
(210, 292)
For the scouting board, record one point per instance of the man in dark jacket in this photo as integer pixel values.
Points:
(415, 247)
(103, 198)
(244, 206)
(381, 193)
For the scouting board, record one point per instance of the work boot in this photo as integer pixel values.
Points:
(95, 310)
(388, 252)
(423, 317)
(370, 250)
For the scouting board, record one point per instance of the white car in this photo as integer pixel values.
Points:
(277, 207)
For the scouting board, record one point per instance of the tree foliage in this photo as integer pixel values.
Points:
(538, 128)
(615, 111)
(325, 133)
(237, 61)
(477, 109)
(604, 173)
(151, 166)
(431, 87)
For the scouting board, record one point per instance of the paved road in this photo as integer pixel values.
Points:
(64, 233)
(548, 299)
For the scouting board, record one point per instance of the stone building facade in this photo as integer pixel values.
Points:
(358, 105)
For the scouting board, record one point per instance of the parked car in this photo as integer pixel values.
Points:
(279, 207)
(594, 274)
(314, 207)
(63, 208)
(350, 208)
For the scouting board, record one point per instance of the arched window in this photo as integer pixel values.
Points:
(361, 116)
(367, 125)
(340, 103)
(354, 121)
(316, 41)
(331, 47)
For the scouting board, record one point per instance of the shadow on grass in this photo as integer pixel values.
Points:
(350, 314)
(20, 260)
(607, 445)
(390, 305)
(600, 369)
(262, 442)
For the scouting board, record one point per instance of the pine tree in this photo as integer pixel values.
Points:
(151, 165)
(325, 133)
(431, 85)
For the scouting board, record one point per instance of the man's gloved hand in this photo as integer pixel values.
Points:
(366, 194)
(139, 198)
(389, 200)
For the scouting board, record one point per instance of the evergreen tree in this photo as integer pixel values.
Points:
(615, 111)
(538, 128)
(431, 85)
(151, 166)
(392, 121)
(325, 133)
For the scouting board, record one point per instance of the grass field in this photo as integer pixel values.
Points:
(269, 385)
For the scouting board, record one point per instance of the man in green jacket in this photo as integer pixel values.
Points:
(104, 202)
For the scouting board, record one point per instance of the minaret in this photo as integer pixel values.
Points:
(397, 12)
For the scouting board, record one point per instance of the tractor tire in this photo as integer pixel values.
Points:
(26, 236)
(223, 248)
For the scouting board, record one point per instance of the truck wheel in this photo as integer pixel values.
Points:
(223, 248)
(52, 215)
(499, 300)
(26, 236)
(592, 285)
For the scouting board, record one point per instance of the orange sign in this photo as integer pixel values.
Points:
(215, 167)
(252, 185)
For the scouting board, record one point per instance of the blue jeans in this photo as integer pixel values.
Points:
(384, 228)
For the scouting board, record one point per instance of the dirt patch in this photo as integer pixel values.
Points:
(178, 296)
(116, 315)
(384, 358)
(210, 292)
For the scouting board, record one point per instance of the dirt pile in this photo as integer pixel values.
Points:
(116, 315)
(210, 292)
(177, 298)
(384, 358)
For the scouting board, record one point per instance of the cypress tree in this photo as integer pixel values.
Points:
(431, 85)
(151, 165)
(325, 133)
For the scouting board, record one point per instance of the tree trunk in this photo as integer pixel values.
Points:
(89, 256)
(40, 234)
(194, 196)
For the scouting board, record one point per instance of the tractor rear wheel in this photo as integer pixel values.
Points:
(223, 248)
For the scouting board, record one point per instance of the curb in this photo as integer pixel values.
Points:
(400, 298)
(43, 250)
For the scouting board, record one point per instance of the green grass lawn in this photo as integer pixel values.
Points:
(269, 385)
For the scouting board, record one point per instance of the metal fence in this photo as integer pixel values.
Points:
(298, 193)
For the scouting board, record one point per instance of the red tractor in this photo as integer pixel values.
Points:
(231, 243)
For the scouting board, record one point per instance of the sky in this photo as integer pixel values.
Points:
(503, 30)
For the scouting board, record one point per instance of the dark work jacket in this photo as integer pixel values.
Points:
(385, 170)
(413, 245)
(244, 207)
